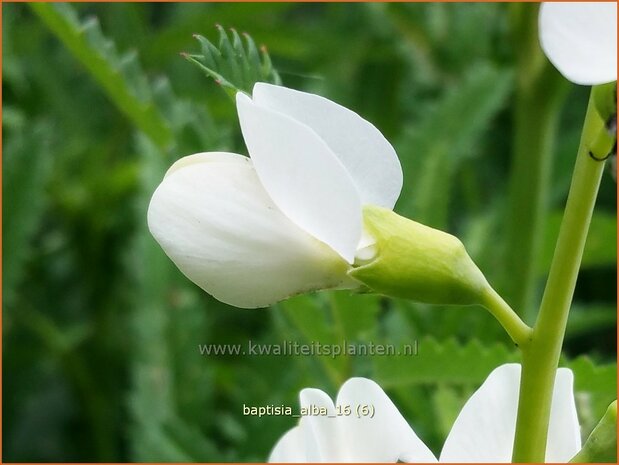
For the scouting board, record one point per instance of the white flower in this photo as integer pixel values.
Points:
(386, 437)
(483, 432)
(580, 39)
(255, 231)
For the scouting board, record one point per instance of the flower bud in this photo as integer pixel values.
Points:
(417, 262)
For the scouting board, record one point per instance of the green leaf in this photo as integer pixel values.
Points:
(234, 65)
(311, 316)
(601, 446)
(191, 441)
(600, 248)
(151, 398)
(592, 378)
(467, 364)
(355, 314)
(120, 76)
(585, 320)
(470, 364)
(27, 164)
(434, 148)
(448, 401)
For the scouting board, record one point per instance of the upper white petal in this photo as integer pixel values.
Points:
(563, 431)
(363, 150)
(580, 39)
(302, 176)
(383, 437)
(485, 428)
(214, 219)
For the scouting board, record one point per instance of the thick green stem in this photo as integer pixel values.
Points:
(541, 356)
(540, 91)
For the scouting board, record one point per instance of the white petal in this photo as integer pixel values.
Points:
(385, 437)
(363, 150)
(485, 428)
(564, 431)
(302, 176)
(322, 442)
(290, 448)
(580, 39)
(207, 157)
(216, 222)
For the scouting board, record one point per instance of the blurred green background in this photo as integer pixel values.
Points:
(101, 331)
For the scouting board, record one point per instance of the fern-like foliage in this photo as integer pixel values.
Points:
(173, 124)
(121, 76)
(235, 64)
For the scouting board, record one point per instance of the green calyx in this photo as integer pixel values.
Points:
(417, 262)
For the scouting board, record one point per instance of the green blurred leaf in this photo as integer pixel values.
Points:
(355, 315)
(592, 378)
(601, 446)
(448, 134)
(448, 401)
(27, 166)
(585, 320)
(311, 316)
(120, 76)
(151, 398)
(470, 364)
(455, 362)
(600, 248)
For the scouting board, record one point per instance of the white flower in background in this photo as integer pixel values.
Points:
(486, 426)
(483, 432)
(255, 231)
(386, 437)
(580, 40)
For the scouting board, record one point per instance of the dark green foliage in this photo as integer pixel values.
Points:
(102, 332)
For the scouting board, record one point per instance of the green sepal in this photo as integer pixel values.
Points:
(417, 262)
(601, 446)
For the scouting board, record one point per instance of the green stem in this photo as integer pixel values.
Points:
(539, 93)
(518, 331)
(541, 356)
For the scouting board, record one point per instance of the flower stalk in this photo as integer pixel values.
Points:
(541, 356)
(517, 330)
